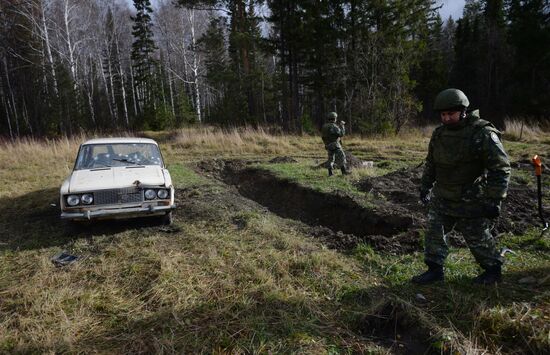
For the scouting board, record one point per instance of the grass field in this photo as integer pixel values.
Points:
(232, 276)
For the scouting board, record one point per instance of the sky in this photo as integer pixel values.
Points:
(451, 7)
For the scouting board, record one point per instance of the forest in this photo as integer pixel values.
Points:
(72, 66)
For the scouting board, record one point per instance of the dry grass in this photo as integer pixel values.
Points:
(212, 286)
(23, 162)
(234, 141)
(520, 130)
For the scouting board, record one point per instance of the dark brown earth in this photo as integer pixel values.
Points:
(279, 160)
(339, 220)
(393, 224)
(352, 160)
(398, 328)
(519, 210)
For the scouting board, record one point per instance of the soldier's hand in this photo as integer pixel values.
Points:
(342, 123)
(425, 197)
(491, 209)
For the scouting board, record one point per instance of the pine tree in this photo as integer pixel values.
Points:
(143, 62)
(433, 71)
(529, 36)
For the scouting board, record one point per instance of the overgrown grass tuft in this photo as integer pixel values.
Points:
(234, 141)
(519, 130)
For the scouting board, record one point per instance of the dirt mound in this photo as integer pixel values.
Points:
(399, 327)
(339, 220)
(280, 160)
(353, 162)
(401, 243)
(216, 167)
(519, 210)
(399, 187)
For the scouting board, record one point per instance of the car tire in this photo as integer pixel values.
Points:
(166, 219)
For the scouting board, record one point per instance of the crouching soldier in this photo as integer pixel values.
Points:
(331, 134)
(464, 181)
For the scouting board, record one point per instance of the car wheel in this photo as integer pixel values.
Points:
(166, 219)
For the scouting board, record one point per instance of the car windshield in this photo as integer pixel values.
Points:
(93, 156)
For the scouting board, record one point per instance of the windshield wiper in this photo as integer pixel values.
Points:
(126, 160)
(98, 163)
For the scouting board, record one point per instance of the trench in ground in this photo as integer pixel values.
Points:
(385, 226)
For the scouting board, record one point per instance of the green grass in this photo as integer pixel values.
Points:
(183, 176)
(308, 174)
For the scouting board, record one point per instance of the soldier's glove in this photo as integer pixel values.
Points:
(342, 123)
(425, 197)
(491, 209)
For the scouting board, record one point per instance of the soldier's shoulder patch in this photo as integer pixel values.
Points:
(494, 137)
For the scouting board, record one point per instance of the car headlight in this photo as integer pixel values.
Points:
(150, 194)
(87, 199)
(73, 200)
(162, 193)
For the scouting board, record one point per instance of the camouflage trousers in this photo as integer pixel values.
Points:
(476, 233)
(337, 156)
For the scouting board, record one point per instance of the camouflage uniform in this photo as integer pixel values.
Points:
(331, 134)
(469, 171)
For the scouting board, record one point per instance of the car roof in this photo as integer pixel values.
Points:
(119, 140)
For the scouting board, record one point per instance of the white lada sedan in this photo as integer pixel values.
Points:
(118, 178)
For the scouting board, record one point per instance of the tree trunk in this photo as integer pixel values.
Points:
(107, 94)
(68, 42)
(5, 104)
(134, 94)
(195, 66)
(122, 85)
(11, 97)
(46, 38)
(111, 83)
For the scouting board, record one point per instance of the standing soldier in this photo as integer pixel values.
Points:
(469, 172)
(331, 133)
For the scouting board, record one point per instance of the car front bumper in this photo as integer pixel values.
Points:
(127, 212)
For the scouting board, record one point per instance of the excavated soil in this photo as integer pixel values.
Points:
(341, 221)
(397, 328)
(352, 161)
(519, 209)
(279, 160)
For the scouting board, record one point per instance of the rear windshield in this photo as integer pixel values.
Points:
(93, 156)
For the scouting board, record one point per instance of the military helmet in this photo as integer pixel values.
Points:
(450, 99)
(331, 116)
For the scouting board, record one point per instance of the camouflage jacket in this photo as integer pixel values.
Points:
(331, 134)
(466, 165)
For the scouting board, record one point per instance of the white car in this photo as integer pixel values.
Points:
(118, 178)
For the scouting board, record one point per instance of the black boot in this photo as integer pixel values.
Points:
(344, 171)
(492, 275)
(330, 172)
(434, 274)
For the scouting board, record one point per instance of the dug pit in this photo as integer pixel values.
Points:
(399, 328)
(339, 219)
(393, 223)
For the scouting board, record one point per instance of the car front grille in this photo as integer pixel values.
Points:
(127, 195)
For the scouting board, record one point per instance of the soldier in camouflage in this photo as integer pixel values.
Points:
(465, 179)
(331, 134)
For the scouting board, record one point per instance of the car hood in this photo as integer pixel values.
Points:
(116, 177)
